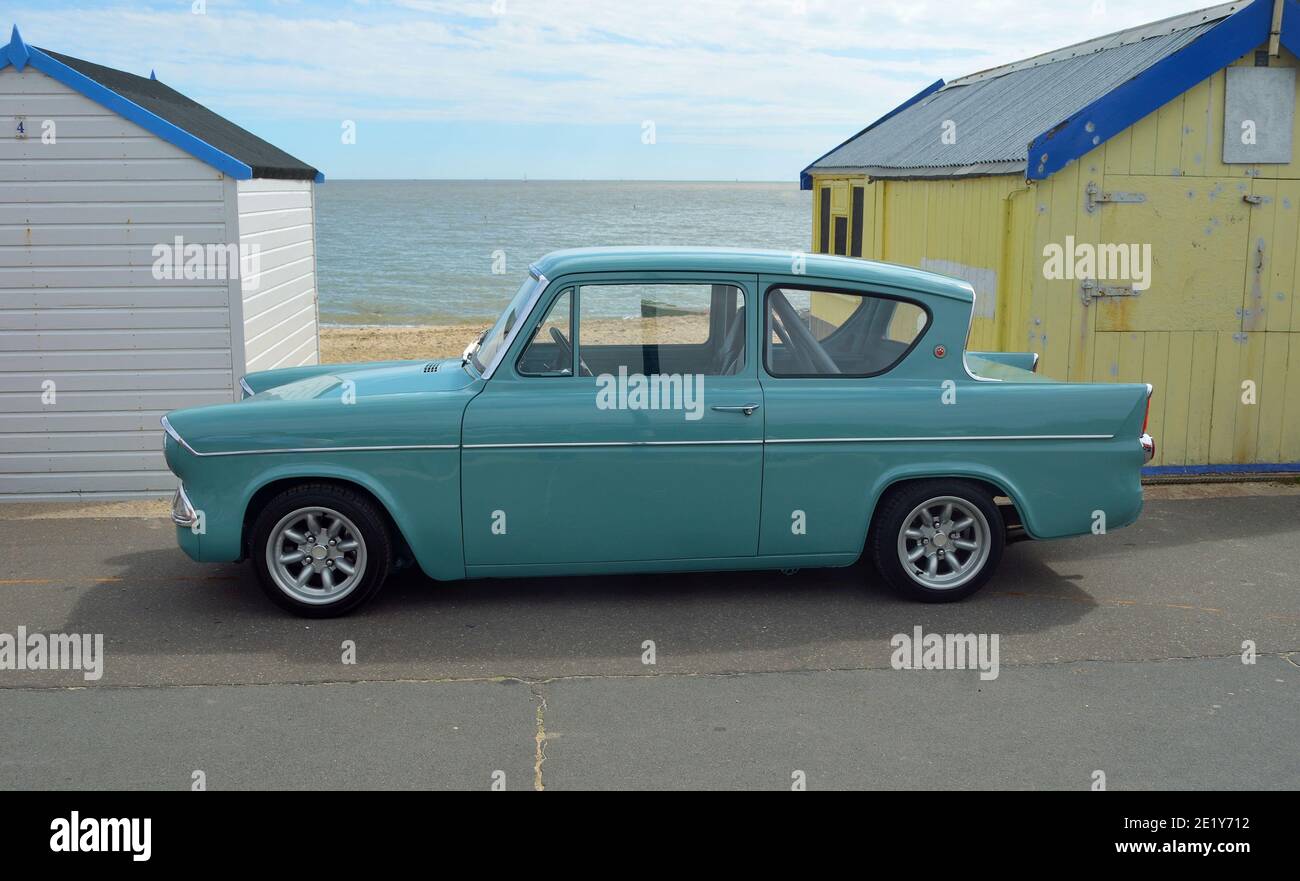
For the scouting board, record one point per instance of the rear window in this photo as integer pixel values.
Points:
(815, 332)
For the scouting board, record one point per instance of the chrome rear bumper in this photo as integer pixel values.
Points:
(1148, 447)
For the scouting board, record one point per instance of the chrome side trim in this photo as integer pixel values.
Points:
(333, 449)
(248, 392)
(1034, 368)
(800, 440)
(891, 440)
(167, 426)
(702, 443)
(324, 450)
(542, 283)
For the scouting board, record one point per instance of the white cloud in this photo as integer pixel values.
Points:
(716, 71)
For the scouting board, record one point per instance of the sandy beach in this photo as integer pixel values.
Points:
(348, 345)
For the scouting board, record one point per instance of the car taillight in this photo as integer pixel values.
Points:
(1147, 416)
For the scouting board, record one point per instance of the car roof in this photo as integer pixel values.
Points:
(749, 261)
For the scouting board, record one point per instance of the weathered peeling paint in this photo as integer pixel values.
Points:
(1207, 322)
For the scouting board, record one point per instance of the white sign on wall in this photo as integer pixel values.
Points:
(1258, 113)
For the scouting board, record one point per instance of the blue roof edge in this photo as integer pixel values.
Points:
(1124, 105)
(1291, 26)
(19, 54)
(805, 179)
(16, 52)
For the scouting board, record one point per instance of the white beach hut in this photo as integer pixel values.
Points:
(151, 253)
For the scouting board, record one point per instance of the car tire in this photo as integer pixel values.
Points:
(349, 553)
(944, 564)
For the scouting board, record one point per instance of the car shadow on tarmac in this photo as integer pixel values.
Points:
(161, 604)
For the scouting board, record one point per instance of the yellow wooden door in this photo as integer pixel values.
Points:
(1184, 332)
(1266, 428)
(1197, 230)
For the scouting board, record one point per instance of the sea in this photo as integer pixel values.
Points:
(414, 252)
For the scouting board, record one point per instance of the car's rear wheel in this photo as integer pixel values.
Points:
(321, 550)
(938, 541)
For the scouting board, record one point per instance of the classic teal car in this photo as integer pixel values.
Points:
(765, 410)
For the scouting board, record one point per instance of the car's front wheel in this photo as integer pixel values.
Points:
(321, 550)
(938, 541)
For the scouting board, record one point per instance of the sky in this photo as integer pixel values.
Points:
(562, 89)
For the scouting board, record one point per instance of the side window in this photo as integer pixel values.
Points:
(650, 329)
(812, 332)
(550, 351)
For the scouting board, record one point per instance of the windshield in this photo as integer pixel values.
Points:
(485, 352)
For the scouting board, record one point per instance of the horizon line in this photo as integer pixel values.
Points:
(568, 180)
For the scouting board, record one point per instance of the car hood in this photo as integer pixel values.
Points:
(358, 380)
(333, 407)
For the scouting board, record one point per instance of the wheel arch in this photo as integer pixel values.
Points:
(995, 483)
(274, 484)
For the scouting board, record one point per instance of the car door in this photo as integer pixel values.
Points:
(625, 425)
(832, 395)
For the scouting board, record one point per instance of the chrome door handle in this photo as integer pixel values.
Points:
(747, 409)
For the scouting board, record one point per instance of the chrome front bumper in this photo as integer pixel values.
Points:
(1148, 447)
(183, 513)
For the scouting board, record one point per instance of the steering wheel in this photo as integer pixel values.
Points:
(802, 361)
(567, 348)
(807, 348)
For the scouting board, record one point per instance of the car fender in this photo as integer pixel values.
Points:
(434, 538)
(936, 471)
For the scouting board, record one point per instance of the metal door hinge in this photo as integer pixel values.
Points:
(1089, 291)
(1095, 196)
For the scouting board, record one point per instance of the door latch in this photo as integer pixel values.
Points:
(1089, 290)
(1096, 196)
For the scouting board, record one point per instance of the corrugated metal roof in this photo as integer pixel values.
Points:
(998, 112)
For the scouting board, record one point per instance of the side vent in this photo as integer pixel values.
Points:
(432, 366)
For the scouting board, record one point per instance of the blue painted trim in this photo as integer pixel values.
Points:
(1165, 80)
(17, 51)
(320, 177)
(153, 123)
(1255, 468)
(1291, 26)
(805, 178)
